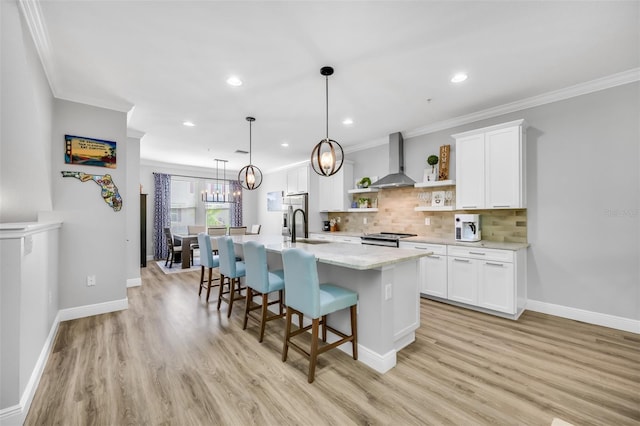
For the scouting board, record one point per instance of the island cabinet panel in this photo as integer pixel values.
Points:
(490, 167)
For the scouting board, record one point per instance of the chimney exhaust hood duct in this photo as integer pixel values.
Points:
(396, 177)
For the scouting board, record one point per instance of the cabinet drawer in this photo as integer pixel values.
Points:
(481, 253)
(344, 239)
(437, 249)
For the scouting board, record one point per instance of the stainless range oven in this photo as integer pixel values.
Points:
(386, 239)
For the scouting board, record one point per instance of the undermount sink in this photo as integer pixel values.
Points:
(306, 241)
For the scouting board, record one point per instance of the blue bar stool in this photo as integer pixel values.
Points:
(207, 260)
(261, 281)
(304, 294)
(231, 270)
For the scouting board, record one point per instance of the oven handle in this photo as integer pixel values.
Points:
(377, 243)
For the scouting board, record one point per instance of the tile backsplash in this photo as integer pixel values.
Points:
(395, 214)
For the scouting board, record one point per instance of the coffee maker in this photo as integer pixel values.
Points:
(467, 227)
(326, 225)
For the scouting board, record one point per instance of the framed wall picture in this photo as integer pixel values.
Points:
(84, 151)
(437, 199)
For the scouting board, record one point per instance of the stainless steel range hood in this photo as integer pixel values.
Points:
(396, 177)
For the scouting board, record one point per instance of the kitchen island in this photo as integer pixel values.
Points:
(387, 283)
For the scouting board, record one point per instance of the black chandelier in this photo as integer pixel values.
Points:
(250, 176)
(221, 191)
(327, 156)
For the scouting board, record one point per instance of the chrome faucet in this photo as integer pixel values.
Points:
(293, 225)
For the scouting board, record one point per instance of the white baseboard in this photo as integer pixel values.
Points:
(15, 415)
(134, 282)
(605, 320)
(90, 310)
(380, 363)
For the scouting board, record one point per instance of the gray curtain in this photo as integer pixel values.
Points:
(236, 207)
(161, 214)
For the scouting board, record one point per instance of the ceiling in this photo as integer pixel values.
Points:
(166, 62)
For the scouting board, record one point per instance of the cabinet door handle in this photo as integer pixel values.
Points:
(433, 256)
(496, 207)
(469, 207)
(461, 260)
(477, 253)
(494, 264)
(420, 248)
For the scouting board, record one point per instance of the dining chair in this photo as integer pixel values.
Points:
(231, 270)
(237, 230)
(216, 231)
(255, 230)
(262, 282)
(304, 294)
(174, 249)
(207, 260)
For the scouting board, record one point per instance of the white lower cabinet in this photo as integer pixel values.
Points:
(433, 268)
(488, 278)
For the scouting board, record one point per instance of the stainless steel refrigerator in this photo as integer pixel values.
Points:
(292, 204)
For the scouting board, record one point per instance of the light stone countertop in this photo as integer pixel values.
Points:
(353, 256)
(446, 241)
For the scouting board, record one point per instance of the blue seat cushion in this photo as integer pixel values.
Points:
(334, 298)
(241, 270)
(276, 280)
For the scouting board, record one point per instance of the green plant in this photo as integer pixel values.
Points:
(363, 202)
(365, 182)
(432, 160)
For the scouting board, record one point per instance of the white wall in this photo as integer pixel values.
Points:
(26, 106)
(132, 233)
(93, 237)
(583, 189)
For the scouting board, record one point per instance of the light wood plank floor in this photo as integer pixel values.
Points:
(173, 359)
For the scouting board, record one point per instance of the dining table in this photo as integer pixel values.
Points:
(185, 241)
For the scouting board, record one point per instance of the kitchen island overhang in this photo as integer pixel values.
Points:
(387, 283)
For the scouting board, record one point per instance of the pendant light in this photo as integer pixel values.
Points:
(250, 176)
(327, 156)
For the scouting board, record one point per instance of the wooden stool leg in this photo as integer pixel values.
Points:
(209, 284)
(300, 318)
(201, 279)
(287, 331)
(247, 306)
(221, 290)
(263, 322)
(232, 286)
(354, 331)
(281, 299)
(313, 354)
(324, 328)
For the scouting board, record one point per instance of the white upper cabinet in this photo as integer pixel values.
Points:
(298, 179)
(470, 172)
(490, 167)
(333, 193)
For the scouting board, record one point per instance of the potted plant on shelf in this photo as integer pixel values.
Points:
(364, 182)
(431, 175)
(363, 203)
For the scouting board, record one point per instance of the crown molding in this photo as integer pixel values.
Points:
(35, 22)
(596, 85)
(120, 106)
(136, 134)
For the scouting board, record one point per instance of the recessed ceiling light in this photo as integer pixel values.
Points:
(188, 124)
(234, 81)
(284, 144)
(347, 121)
(459, 77)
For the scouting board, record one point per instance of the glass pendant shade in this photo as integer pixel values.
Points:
(250, 176)
(327, 156)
